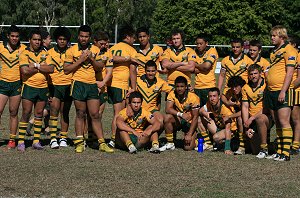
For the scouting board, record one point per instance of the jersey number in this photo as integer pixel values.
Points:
(116, 53)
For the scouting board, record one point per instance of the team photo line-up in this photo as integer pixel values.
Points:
(250, 96)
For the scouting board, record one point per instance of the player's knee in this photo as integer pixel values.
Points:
(188, 147)
(216, 137)
(94, 115)
(13, 113)
(168, 118)
(80, 114)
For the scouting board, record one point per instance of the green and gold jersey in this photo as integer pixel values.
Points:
(264, 63)
(190, 102)
(205, 80)
(58, 77)
(85, 73)
(238, 68)
(285, 56)
(37, 80)
(139, 121)
(151, 92)
(154, 53)
(120, 78)
(9, 61)
(184, 54)
(254, 97)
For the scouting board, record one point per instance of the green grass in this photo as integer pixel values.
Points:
(55, 173)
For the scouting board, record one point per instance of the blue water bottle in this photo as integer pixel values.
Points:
(200, 145)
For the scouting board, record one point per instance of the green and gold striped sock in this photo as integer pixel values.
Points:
(37, 127)
(53, 122)
(22, 131)
(287, 138)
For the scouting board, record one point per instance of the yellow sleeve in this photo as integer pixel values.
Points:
(195, 101)
(110, 59)
(290, 57)
(223, 63)
(166, 54)
(23, 59)
(148, 115)
(69, 56)
(166, 87)
(192, 55)
(122, 113)
(244, 95)
(171, 97)
(49, 60)
(212, 57)
(160, 51)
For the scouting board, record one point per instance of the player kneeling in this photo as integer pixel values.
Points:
(213, 114)
(137, 131)
(181, 113)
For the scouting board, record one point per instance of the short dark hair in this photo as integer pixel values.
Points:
(150, 63)
(101, 35)
(135, 94)
(254, 67)
(237, 40)
(44, 34)
(85, 28)
(256, 43)
(181, 79)
(235, 81)
(13, 28)
(295, 40)
(142, 29)
(126, 30)
(205, 37)
(62, 31)
(178, 31)
(213, 89)
(34, 31)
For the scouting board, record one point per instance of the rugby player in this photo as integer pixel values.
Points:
(10, 83)
(283, 60)
(34, 66)
(256, 122)
(139, 130)
(216, 118)
(82, 60)
(61, 100)
(182, 112)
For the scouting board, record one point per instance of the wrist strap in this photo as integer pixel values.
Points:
(227, 145)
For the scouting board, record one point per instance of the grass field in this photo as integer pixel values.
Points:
(62, 173)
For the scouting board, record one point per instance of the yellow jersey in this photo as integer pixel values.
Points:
(190, 102)
(183, 54)
(9, 61)
(207, 79)
(238, 68)
(120, 78)
(85, 73)
(139, 121)
(154, 53)
(151, 92)
(37, 80)
(58, 77)
(285, 56)
(254, 97)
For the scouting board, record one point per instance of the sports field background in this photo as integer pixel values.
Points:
(62, 173)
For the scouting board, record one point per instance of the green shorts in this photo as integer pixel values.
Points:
(103, 97)
(83, 91)
(116, 95)
(34, 94)
(10, 88)
(271, 100)
(133, 139)
(51, 90)
(297, 98)
(203, 95)
(62, 92)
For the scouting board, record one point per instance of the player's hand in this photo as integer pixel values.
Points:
(31, 65)
(230, 103)
(137, 134)
(187, 139)
(187, 116)
(228, 152)
(281, 97)
(250, 133)
(146, 133)
(84, 55)
(136, 61)
(100, 84)
(207, 116)
(226, 119)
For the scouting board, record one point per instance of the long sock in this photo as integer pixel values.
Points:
(155, 142)
(113, 137)
(78, 140)
(63, 135)
(279, 140)
(37, 127)
(287, 134)
(242, 139)
(128, 143)
(296, 145)
(53, 127)
(170, 137)
(22, 131)
(264, 146)
(12, 137)
(101, 141)
(206, 137)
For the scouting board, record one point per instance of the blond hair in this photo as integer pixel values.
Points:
(280, 31)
